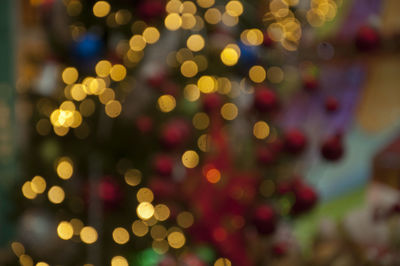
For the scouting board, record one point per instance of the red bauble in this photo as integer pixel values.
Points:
(265, 219)
(151, 9)
(163, 165)
(268, 42)
(157, 80)
(162, 188)
(295, 141)
(367, 39)
(331, 104)
(211, 102)
(109, 192)
(332, 148)
(265, 156)
(310, 84)
(265, 100)
(144, 124)
(279, 249)
(174, 133)
(305, 199)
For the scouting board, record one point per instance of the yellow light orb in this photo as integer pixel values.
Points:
(229, 56)
(200, 121)
(261, 130)
(56, 194)
(119, 261)
(222, 262)
(133, 177)
(191, 92)
(161, 212)
(145, 210)
(205, 3)
(189, 69)
(69, 75)
(88, 235)
(166, 103)
(206, 84)
(151, 35)
(103, 68)
(257, 74)
(145, 195)
(38, 184)
(101, 9)
(65, 169)
(139, 228)
(173, 22)
(120, 235)
(65, 230)
(176, 240)
(195, 42)
(113, 108)
(229, 111)
(27, 190)
(118, 72)
(190, 159)
(137, 43)
(185, 219)
(234, 8)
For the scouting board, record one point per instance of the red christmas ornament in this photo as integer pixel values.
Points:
(144, 124)
(163, 165)
(280, 249)
(157, 80)
(109, 192)
(331, 104)
(264, 219)
(367, 39)
(151, 9)
(268, 42)
(162, 188)
(310, 83)
(265, 156)
(332, 148)
(211, 102)
(295, 141)
(175, 133)
(305, 199)
(265, 100)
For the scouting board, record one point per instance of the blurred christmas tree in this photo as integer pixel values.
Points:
(159, 133)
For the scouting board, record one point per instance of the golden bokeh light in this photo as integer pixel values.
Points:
(234, 8)
(191, 92)
(145, 210)
(133, 177)
(222, 262)
(107, 95)
(120, 235)
(160, 246)
(101, 9)
(151, 35)
(65, 230)
(206, 84)
(139, 228)
(189, 69)
(103, 68)
(176, 240)
(190, 159)
(65, 168)
(213, 16)
(257, 74)
(118, 72)
(145, 195)
(18, 248)
(113, 108)
(69, 75)
(56, 194)
(25, 260)
(204, 143)
(38, 184)
(27, 190)
(229, 111)
(137, 43)
(205, 3)
(229, 56)
(161, 212)
(195, 42)
(201, 121)
(77, 225)
(158, 232)
(119, 261)
(78, 93)
(275, 74)
(173, 22)
(185, 219)
(88, 235)
(261, 130)
(166, 103)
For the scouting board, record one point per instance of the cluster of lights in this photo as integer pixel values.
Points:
(321, 11)
(24, 259)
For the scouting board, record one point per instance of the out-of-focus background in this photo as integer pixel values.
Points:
(207, 132)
